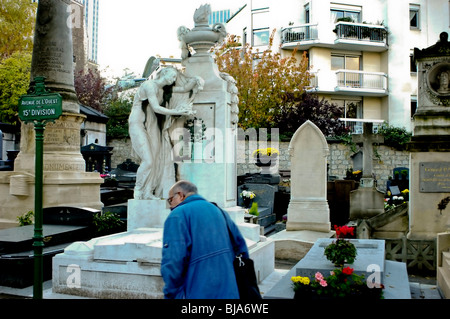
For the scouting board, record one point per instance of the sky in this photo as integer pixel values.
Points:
(130, 34)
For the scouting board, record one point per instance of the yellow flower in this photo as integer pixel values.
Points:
(301, 280)
(265, 152)
(357, 172)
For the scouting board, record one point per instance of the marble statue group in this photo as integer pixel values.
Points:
(157, 105)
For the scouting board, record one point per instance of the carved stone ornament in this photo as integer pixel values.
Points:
(436, 67)
(438, 79)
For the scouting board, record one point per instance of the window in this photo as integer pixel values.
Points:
(260, 30)
(307, 14)
(353, 16)
(347, 62)
(261, 36)
(352, 108)
(414, 15)
(413, 66)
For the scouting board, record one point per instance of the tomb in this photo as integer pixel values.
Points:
(370, 252)
(429, 153)
(366, 201)
(308, 215)
(430, 144)
(127, 264)
(62, 226)
(265, 198)
(372, 264)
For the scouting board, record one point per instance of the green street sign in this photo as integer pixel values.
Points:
(41, 105)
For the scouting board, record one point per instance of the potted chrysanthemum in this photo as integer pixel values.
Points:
(265, 156)
(341, 250)
(247, 197)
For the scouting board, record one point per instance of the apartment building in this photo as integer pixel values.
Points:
(360, 52)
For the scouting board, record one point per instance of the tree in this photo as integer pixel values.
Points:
(263, 79)
(298, 110)
(17, 19)
(14, 82)
(118, 110)
(91, 88)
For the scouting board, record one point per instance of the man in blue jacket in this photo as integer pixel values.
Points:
(197, 254)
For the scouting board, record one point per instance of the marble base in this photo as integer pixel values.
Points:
(127, 265)
(308, 215)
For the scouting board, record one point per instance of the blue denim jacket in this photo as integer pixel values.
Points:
(197, 254)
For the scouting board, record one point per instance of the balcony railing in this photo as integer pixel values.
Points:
(361, 32)
(306, 32)
(352, 79)
(356, 126)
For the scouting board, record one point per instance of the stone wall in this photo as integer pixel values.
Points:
(339, 159)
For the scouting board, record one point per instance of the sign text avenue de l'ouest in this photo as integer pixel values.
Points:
(41, 107)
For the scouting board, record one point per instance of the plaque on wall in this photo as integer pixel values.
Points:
(434, 177)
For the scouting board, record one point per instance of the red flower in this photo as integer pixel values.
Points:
(347, 270)
(343, 231)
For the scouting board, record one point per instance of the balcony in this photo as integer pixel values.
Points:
(361, 83)
(301, 37)
(348, 36)
(361, 36)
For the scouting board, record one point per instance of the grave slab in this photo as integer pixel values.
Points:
(395, 281)
(370, 254)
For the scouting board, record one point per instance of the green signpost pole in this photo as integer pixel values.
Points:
(38, 244)
(40, 107)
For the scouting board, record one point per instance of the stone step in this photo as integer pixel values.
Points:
(446, 261)
(443, 279)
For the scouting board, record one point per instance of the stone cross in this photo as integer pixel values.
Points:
(367, 139)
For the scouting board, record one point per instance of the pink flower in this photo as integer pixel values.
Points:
(319, 276)
(323, 283)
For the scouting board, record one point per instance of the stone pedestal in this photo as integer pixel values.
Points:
(215, 173)
(127, 265)
(146, 213)
(366, 202)
(430, 145)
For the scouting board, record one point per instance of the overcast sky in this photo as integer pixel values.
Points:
(131, 31)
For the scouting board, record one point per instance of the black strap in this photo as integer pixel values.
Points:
(233, 243)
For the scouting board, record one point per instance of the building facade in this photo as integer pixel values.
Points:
(360, 52)
(91, 16)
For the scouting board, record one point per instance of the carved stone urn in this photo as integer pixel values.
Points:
(202, 37)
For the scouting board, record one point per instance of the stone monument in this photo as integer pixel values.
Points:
(308, 217)
(430, 143)
(65, 180)
(308, 208)
(127, 265)
(366, 201)
(216, 108)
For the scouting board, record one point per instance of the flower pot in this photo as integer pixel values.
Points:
(247, 202)
(265, 161)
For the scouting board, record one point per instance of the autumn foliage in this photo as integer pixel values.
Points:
(263, 79)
